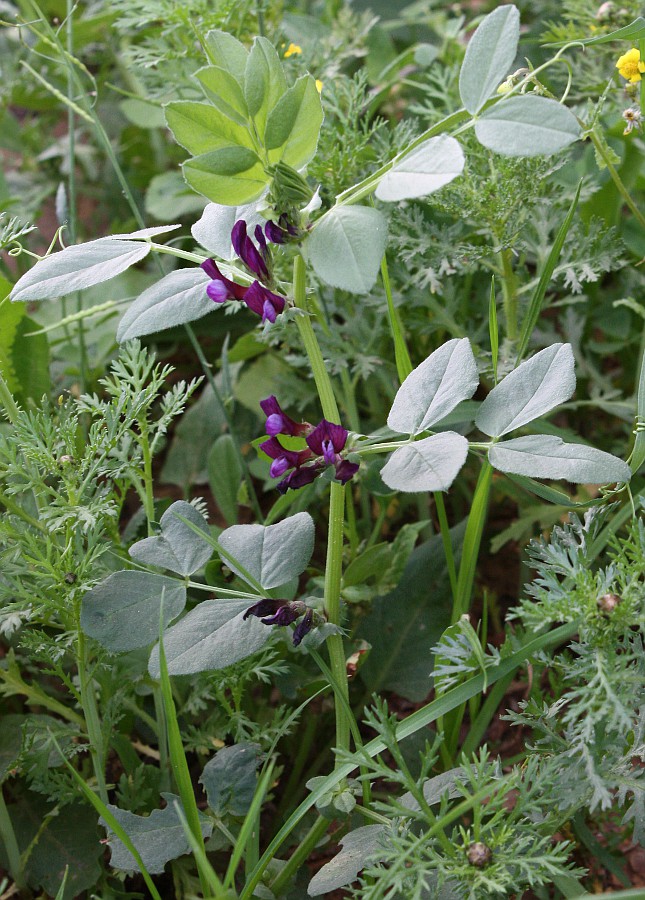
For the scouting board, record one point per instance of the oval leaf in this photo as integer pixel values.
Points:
(489, 56)
(430, 166)
(530, 391)
(230, 779)
(293, 125)
(346, 247)
(435, 388)
(359, 847)
(123, 612)
(178, 298)
(546, 456)
(428, 465)
(212, 636)
(213, 230)
(200, 127)
(527, 126)
(231, 176)
(78, 267)
(178, 547)
(271, 554)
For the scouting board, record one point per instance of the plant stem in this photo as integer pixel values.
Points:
(509, 292)
(622, 190)
(149, 500)
(90, 711)
(472, 542)
(8, 837)
(334, 561)
(315, 833)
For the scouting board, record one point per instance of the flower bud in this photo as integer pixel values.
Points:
(479, 855)
(608, 603)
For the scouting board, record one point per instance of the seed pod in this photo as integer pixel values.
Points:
(608, 603)
(70, 578)
(479, 855)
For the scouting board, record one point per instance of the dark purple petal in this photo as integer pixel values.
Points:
(211, 269)
(221, 288)
(283, 459)
(247, 251)
(303, 627)
(262, 244)
(299, 478)
(263, 301)
(274, 233)
(278, 422)
(284, 616)
(327, 432)
(264, 607)
(346, 470)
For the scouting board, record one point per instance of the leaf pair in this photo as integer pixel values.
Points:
(249, 121)
(534, 388)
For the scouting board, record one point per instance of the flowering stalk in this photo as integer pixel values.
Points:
(334, 560)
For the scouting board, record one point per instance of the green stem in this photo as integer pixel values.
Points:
(334, 561)
(149, 500)
(8, 837)
(472, 542)
(315, 833)
(509, 292)
(92, 720)
(401, 355)
(622, 190)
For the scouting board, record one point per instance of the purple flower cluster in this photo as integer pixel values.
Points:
(283, 612)
(325, 443)
(258, 297)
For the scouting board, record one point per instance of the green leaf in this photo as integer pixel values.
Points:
(225, 476)
(635, 31)
(264, 81)
(177, 298)
(546, 456)
(430, 166)
(489, 56)
(178, 548)
(404, 625)
(224, 91)
(293, 125)
(200, 425)
(230, 779)
(122, 612)
(158, 837)
(168, 195)
(431, 464)
(231, 176)
(273, 554)
(531, 390)
(226, 52)
(200, 128)
(212, 636)
(527, 126)
(346, 246)
(435, 388)
(10, 743)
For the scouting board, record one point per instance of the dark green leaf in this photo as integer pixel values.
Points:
(225, 476)
(230, 779)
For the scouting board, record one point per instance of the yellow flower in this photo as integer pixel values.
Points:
(630, 66)
(319, 86)
(292, 50)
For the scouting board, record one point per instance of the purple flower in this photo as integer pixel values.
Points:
(281, 231)
(346, 470)
(283, 459)
(278, 422)
(254, 259)
(220, 287)
(281, 613)
(300, 477)
(263, 302)
(327, 440)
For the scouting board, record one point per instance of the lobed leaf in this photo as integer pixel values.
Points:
(430, 166)
(489, 56)
(435, 388)
(537, 386)
(428, 465)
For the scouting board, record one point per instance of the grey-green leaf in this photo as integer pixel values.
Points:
(158, 837)
(178, 547)
(270, 554)
(489, 56)
(78, 267)
(213, 230)
(435, 388)
(176, 299)
(537, 386)
(425, 169)
(225, 476)
(212, 636)
(346, 247)
(527, 126)
(428, 465)
(358, 848)
(230, 779)
(122, 612)
(546, 456)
